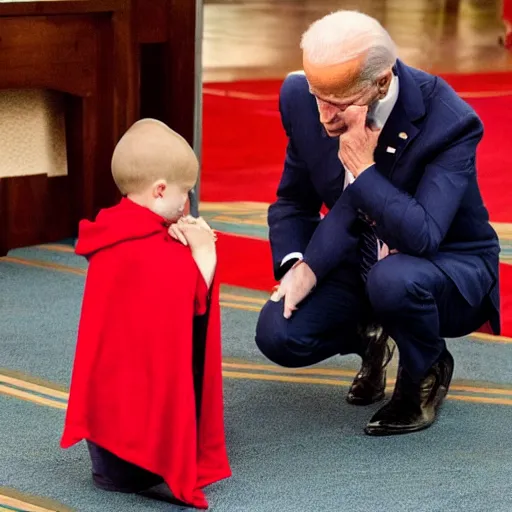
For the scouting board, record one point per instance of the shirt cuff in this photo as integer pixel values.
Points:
(292, 256)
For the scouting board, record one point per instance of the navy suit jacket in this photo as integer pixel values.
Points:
(424, 198)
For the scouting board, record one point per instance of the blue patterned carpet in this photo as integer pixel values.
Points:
(294, 444)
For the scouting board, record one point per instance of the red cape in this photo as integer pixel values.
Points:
(132, 388)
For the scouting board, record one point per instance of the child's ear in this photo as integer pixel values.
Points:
(159, 188)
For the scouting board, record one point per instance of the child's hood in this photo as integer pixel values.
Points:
(126, 221)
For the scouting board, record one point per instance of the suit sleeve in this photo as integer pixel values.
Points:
(335, 241)
(293, 218)
(417, 225)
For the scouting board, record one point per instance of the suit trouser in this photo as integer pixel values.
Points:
(114, 474)
(413, 300)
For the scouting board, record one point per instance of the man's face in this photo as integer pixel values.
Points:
(336, 88)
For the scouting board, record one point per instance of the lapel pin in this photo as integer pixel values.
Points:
(391, 150)
(403, 135)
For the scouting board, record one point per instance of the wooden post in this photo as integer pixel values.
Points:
(169, 33)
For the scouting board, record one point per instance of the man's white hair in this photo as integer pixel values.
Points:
(346, 35)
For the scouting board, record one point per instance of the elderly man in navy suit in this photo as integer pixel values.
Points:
(406, 244)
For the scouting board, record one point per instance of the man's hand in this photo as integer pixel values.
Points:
(280, 290)
(295, 287)
(358, 143)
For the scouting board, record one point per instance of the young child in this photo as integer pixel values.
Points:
(146, 389)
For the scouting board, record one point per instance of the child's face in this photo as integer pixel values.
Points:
(170, 200)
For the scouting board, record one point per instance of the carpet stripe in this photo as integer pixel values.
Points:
(225, 219)
(29, 397)
(15, 509)
(327, 372)
(301, 376)
(480, 400)
(340, 383)
(252, 306)
(480, 336)
(56, 248)
(26, 384)
(23, 378)
(477, 386)
(242, 298)
(10, 509)
(347, 373)
(47, 265)
(29, 386)
(243, 307)
(11, 499)
(20, 506)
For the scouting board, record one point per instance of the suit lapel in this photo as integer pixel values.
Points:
(396, 135)
(401, 127)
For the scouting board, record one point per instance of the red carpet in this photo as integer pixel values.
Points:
(243, 152)
(244, 140)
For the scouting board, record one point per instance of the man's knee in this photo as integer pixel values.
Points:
(391, 283)
(271, 333)
(274, 340)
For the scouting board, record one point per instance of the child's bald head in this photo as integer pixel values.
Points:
(150, 151)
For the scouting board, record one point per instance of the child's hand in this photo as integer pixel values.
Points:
(201, 239)
(193, 232)
(200, 222)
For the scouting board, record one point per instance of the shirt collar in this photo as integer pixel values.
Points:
(382, 110)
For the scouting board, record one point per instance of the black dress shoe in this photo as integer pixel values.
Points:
(369, 384)
(414, 406)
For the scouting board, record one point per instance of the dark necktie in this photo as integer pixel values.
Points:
(368, 246)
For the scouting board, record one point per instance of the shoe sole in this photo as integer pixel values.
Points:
(353, 400)
(390, 431)
(387, 431)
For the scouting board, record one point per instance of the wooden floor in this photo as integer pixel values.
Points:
(246, 39)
